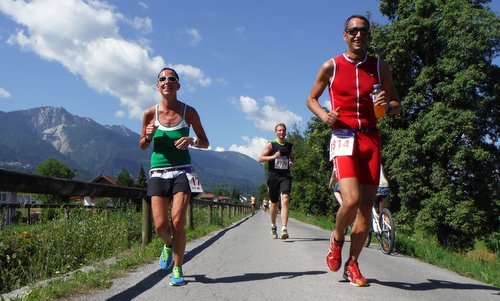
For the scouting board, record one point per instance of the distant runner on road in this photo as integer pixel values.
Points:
(278, 153)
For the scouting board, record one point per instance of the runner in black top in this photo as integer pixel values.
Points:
(279, 155)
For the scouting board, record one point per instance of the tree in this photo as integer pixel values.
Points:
(219, 191)
(124, 179)
(141, 181)
(442, 152)
(235, 196)
(53, 167)
(311, 170)
(262, 192)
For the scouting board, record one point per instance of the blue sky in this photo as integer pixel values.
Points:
(244, 65)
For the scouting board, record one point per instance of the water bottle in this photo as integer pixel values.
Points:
(379, 110)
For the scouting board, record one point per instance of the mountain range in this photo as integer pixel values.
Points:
(28, 137)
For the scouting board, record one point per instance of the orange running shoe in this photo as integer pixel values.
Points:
(334, 255)
(352, 273)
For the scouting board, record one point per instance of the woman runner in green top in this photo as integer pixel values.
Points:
(166, 125)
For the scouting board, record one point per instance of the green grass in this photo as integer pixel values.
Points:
(482, 268)
(479, 264)
(40, 240)
(323, 222)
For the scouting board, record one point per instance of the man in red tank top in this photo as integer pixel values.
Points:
(355, 144)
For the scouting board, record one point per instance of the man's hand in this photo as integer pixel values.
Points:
(331, 117)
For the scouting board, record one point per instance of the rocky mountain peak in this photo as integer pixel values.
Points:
(48, 117)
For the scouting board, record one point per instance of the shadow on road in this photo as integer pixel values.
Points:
(434, 284)
(140, 287)
(253, 277)
(159, 275)
(294, 239)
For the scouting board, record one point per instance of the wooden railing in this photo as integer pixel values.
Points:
(13, 181)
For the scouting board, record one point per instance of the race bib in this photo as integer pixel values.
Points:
(194, 182)
(281, 162)
(341, 143)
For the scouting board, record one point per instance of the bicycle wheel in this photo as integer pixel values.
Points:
(388, 235)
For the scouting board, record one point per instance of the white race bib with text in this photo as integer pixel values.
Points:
(194, 182)
(281, 162)
(341, 143)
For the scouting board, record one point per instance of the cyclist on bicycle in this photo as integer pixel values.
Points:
(383, 191)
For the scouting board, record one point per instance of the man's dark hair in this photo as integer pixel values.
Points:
(280, 124)
(167, 68)
(358, 17)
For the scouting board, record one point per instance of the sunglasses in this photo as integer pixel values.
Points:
(354, 30)
(167, 78)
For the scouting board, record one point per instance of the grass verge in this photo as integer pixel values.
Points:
(478, 264)
(99, 275)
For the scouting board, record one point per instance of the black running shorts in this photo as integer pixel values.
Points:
(278, 186)
(168, 187)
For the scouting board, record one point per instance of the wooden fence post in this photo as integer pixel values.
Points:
(147, 229)
(222, 214)
(209, 214)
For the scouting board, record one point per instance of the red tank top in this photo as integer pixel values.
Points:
(350, 90)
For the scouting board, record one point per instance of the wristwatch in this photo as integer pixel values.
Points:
(195, 142)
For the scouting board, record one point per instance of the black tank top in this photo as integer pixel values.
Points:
(280, 167)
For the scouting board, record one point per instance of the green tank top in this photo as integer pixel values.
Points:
(165, 154)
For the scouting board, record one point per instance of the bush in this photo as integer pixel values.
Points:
(36, 252)
(492, 242)
(453, 219)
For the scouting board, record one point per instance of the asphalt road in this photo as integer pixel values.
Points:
(242, 262)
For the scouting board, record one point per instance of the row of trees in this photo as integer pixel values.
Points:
(442, 152)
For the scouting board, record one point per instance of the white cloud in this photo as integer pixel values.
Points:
(252, 148)
(4, 93)
(270, 100)
(267, 116)
(143, 5)
(248, 105)
(144, 25)
(193, 74)
(120, 114)
(327, 105)
(84, 37)
(194, 35)
(219, 149)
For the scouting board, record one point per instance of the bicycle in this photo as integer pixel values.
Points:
(382, 222)
(383, 226)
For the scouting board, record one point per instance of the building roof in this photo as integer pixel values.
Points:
(224, 199)
(206, 196)
(104, 179)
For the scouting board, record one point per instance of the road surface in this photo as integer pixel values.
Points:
(242, 262)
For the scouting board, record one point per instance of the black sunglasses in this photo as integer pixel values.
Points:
(354, 30)
(169, 78)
